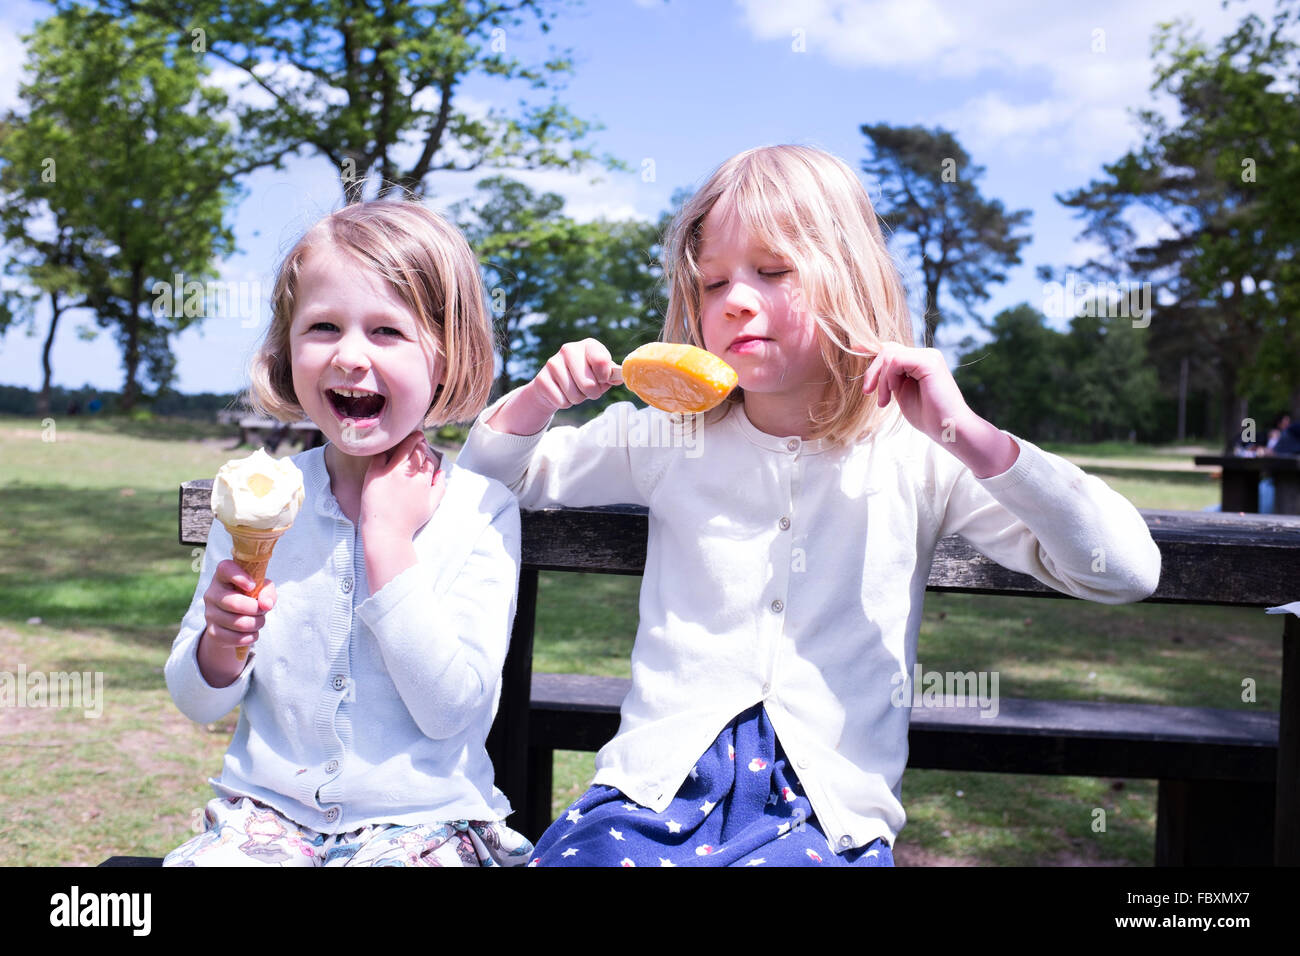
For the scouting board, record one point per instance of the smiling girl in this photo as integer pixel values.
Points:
(367, 699)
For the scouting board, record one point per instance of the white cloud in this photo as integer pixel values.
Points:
(1088, 64)
(869, 32)
(990, 119)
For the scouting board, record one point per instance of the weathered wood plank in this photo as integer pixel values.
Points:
(1084, 738)
(1235, 560)
(1287, 847)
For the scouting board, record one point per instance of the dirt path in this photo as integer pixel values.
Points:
(1141, 464)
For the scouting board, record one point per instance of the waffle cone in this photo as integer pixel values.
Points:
(251, 550)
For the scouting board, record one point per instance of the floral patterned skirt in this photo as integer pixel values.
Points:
(239, 831)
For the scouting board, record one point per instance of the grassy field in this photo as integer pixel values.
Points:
(93, 580)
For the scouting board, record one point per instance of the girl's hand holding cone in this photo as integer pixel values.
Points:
(234, 619)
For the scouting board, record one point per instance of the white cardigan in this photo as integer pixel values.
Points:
(792, 572)
(357, 708)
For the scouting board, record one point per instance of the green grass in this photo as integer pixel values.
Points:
(89, 548)
(1167, 490)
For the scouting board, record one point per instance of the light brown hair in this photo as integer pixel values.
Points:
(429, 264)
(808, 206)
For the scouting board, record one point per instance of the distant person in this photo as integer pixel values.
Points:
(363, 724)
(1288, 440)
(1267, 489)
(1280, 424)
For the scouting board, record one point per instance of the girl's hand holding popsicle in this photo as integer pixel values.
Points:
(578, 372)
(671, 377)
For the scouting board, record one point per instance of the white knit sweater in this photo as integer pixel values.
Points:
(792, 572)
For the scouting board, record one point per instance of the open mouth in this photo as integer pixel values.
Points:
(355, 404)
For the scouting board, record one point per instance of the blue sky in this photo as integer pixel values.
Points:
(1038, 93)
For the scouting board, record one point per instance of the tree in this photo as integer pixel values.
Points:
(135, 178)
(1088, 384)
(36, 225)
(372, 87)
(519, 236)
(1109, 390)
(1220, 180)
(614, 292)
(1015, 380)
(552, 280)
(928, 191)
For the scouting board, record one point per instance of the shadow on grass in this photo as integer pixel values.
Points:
(94, 559)
(157, 429)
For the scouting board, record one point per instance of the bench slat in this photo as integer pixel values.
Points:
(1234, 560)
(1074, 738)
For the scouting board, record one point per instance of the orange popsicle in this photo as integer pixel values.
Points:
(678, 378)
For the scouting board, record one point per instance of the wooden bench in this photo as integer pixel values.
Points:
(1228, 791)
(1205, 759)
(1240, 481)
(256, 431)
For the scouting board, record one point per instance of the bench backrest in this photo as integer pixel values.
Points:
(1228, 559)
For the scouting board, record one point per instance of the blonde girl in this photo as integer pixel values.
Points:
(376, 663)
(790, 540)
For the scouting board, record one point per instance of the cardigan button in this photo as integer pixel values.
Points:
(332, 814)
(332, 767)
(784, 523)
(339, 682)
(778, 606)
(347, 584)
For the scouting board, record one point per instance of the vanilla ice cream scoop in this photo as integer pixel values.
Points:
(257, 492)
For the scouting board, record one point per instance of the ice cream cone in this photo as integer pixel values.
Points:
(251, 550)
(256, 498)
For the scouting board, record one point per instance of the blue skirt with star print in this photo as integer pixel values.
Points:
(742, 805)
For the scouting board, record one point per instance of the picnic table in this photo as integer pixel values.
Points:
(259, 430)
(1240, 491)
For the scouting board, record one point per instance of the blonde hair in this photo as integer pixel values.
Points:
(429, 264)
(808, 206)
